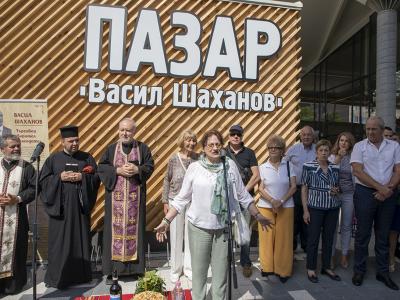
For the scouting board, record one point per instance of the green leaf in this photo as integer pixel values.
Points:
(150, 282)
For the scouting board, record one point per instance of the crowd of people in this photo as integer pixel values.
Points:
(309, 191)
(306, 192)
(68, 185)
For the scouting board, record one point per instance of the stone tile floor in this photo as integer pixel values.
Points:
(256, 287)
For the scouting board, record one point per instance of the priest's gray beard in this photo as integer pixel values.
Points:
(13, 157)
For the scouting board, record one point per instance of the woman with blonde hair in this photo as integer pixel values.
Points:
(341, 153)
(278, 184)
(177, 166)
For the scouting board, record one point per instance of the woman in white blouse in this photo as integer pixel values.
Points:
(203, 186)
(278, 184)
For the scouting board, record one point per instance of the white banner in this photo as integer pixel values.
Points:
(26, 118)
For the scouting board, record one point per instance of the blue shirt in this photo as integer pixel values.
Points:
(298, 155)
(319, 185)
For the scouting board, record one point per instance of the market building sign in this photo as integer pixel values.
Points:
(262, 40)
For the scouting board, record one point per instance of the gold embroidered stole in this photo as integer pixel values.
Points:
(125, 210)
(10, 182)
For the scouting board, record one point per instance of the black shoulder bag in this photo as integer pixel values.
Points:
(245, 173)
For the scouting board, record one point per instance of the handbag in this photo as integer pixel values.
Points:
(245, 173)
(241, 230)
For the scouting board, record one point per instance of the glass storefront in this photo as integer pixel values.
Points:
(339, 94)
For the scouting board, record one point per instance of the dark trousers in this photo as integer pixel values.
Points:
(245, 260)
(326, 221)
(300, 228)
(370, 211)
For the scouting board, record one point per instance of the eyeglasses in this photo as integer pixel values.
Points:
(212, 146)
(274, 148)
(236, 134)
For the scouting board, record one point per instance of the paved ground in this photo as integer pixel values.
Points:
(297, 287)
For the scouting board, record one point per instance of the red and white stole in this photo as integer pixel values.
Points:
(10, 182)
(125, 210)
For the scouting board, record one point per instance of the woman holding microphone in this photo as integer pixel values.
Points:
(204, 187)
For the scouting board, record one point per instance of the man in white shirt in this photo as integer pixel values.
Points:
(376, 167)
(298, 154)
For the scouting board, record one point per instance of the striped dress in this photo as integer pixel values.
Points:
(319, 185)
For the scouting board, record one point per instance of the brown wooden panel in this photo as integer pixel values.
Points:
(41, 56)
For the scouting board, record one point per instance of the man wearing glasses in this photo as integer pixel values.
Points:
(298, 154)
(247, 164)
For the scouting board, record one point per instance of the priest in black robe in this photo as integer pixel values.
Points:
(17, 180)
(124, 169)
(69, 184)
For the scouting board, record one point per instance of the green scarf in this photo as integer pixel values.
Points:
(219, 205)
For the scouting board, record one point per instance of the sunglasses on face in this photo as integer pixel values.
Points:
(236, 134)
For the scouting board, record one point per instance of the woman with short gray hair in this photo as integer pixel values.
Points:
(320, 180)
(278, 184)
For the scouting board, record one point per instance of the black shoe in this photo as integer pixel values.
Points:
(266, 274)
(109, 280)
(357, 279)
(332, 276)
(294, 245)
(283, 279)
(313, 278)
(7, 291)
(397, 252)
(385, 278)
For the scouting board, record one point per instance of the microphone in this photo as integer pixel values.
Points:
(222, 154)
(36, 153)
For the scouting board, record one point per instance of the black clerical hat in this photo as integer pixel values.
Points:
(69, 131)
